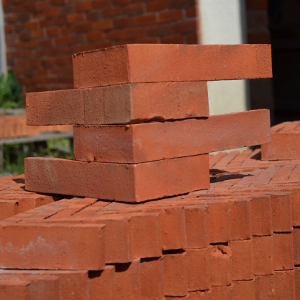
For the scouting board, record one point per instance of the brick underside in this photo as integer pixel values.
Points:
(238, 240)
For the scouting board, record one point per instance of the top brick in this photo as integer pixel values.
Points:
(168, 63)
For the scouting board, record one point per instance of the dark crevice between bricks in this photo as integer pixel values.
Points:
(172, 252)
(94, 274)
(219, 244)
(122, 267)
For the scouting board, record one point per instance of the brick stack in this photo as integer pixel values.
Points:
(142, 132)
(140, 112)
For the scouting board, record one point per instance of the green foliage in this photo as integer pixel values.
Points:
(10, 92)
(14, 154)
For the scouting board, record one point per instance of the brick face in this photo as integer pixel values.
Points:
(57, 28)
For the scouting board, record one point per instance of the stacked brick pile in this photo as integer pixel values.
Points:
(142, 132)
(140, 112)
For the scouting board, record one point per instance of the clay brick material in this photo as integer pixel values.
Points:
(126, 183)
(196, 223)
(175, 275)
(240, 219)
(261, 212)
(101, 284)
(162, 140)
(242, 260)
(285, 285)
(14, 289)
(296, 246)
(8, 209)
(223, 292)
(263, 255)
(200, 295)
(127, 282)
(198, 269)
(218, 218)
(52, 246)
(151, 271)
(283, 251)
(285, 143)
(71, 284)
(282, 212)
(120, 104)
(244, 290)
(166, 63)
(296, 207)
(55, 108)
(265, 287)
(297, 281)
(220, 265)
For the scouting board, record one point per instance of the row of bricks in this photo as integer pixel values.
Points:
(244, 161)
(190, 274)
(14, 200)
(146, 231)
(15, 126)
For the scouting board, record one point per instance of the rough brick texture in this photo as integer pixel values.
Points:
(139, 143)
(165, 63)
(121, 104)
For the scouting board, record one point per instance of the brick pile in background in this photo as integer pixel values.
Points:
(14, 199)
(238, 240)
(41, 36)
(15, 126)
(142, 128)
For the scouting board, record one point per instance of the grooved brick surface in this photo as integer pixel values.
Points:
(156, 140)
(165, 63)
(119, 104)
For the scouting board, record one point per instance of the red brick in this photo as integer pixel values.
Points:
(103, 24)
(285, 285)
(14, 289)
(191, 12)
(176, 39)
(173, 228)
(128, 285)
(265, 287)
(156, 5)
(223, 292)
(8, 208)
(145, 235)
(47, 246)
(283, 251)
(261, 213)
(192, 38)
(83, 6)
(244, 290)
(144, 62)
(282, 212)
(134, 8)
(75, 18)
(240, 219)
(296, 246)
(184, 27)
(198, 269)
(175, 275)
(101, 284)
(96, 106)
(220, 265)
(218, 222)
(196, 225)
(170, 15)
(263, 255)
(122, 182)
(297, 282)
(151, 279)
(145, 19)
(139, 143)
(242, 260)
(296, 207)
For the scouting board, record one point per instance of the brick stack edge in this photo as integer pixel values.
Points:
(239, 239)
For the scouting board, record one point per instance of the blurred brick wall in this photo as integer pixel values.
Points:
(41, 36)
